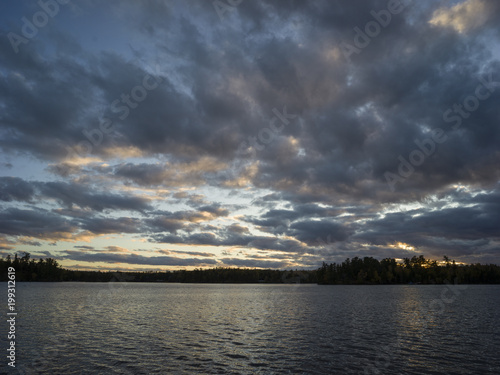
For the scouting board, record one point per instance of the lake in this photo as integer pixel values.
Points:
(139, 328)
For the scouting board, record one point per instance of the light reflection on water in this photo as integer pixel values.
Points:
(139, 328)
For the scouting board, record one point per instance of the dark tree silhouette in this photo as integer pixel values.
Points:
(368, 270)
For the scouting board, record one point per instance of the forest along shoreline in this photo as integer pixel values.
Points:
(355, 271)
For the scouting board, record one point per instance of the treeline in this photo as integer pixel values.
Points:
(367, 270)
(28, 269)
(416, 270)
(213, 275)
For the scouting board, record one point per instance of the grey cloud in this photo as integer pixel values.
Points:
(192, 253)
(73, 194)
(36, 223)
(311, 231)
(174, 221)
(142, 174)
(251, 263)
(69, 195)
(15, 189)
(31, 243)
(137, 259)
(84, 247)
(64, 169)
(103, 225)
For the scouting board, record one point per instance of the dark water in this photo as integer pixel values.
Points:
(130, 328)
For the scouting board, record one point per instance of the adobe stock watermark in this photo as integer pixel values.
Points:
(122, 108)
(266, 135)
(222, 7)
(372, 29)
(39, 19)
(428, 146)
(471, 103)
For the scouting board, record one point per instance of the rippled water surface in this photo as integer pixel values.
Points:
(139, 328)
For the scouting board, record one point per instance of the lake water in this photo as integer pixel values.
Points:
(139, 328)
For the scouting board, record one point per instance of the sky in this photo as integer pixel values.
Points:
(161, 135)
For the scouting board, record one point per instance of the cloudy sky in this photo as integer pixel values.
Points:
(278, 134)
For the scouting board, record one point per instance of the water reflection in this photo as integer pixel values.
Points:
(248, 329)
